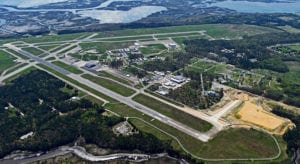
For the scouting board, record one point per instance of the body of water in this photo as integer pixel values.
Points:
(29, 3)
(116, 16)
(104, 16)
(2, 22)
(260, 7)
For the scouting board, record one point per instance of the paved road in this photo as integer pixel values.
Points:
(80, 152)
(108, 39)
(128, 101)
(225, 109)
(38, 59)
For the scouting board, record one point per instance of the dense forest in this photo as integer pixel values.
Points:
(39, 103)
(292, 137)
(250, 47)
(240, 54)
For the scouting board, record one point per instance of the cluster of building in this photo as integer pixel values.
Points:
(170, 82)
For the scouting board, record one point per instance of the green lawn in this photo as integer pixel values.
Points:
(59, 47)
(153, 48)
(232, 143)
(176, 35)
(295, 47)
(180, 40)
(33, 51)
(68, 49)
(86, 57)
(111, 85)
(48, 47)
(293, 76)
(17, 54)
(68, 67)
(111, 76)
(50, 58)
(24, 72)
(6, 61)
(174, 113)
(16, 67)
(213, 68)
(102, 47)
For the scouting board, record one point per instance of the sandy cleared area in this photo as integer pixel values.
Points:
(252, 113)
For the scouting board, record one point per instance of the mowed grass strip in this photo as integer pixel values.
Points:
(33, 51)
(68, 67)
(22, 73)
(16, 67)
(295, 47)
(17, 54)
(48, 47)
(6, 61)
(111, 76)
(176, 114)
(129, 38)
(111, 85)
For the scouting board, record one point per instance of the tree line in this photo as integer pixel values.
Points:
(36, 103)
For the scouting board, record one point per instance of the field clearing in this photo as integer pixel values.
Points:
(290, 29)
(111, 85)
(68, 67)
(6, 61)
(256, 115)
(213, 68)
(293, 76)
(295, 47)
(176, 114)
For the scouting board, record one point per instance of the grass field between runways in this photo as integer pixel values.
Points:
(176, 114)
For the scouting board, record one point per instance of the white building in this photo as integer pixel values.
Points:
(178, 79)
